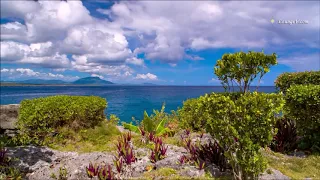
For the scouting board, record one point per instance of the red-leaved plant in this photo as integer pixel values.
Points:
(151, 136)
(142, 131)
(124, 150)
(159, 151)
(106, 173)
(200, 164)
(92, 170)
(118, 162)
(182, 160)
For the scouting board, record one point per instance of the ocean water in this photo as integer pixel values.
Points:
(124, 101)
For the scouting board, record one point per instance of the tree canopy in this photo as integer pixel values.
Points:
(241, 69)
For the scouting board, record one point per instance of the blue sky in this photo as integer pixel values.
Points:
(161, 42)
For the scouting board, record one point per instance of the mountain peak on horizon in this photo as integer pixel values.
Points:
(92, 80)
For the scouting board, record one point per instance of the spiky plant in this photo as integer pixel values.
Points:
(286, 138)
(92, 170)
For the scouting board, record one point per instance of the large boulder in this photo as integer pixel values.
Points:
(42, 162)
(8, 118)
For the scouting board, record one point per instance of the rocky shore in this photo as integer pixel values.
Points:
(44, 163)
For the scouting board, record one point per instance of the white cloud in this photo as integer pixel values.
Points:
(147, 76)
(157, 29)
(172, 64)
(97, 43)
(14, 31)
(4, 70)
(41, 54)
(214, 81)
(12, 51)
(26, 73)
(135, 61)
(96, 75)
(302, 62)
(115, 72)
(167, 33)
(18, 8)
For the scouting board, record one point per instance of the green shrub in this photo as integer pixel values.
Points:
(41, 117)
(191, 115)
(241, 123)
(285, 80)
(303, 105)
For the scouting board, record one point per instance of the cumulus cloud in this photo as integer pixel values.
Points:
(147, 76)
(46, 31)
(14, 31)
(98, 44)
(26, 73)
(41, 54)
(167, 33)
(135, 61)
(18, 9)
(301, 62)
(115, 72)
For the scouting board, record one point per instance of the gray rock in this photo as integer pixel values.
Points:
(173, 155)
(8, 116)
(140, 166)
(215, 172)
(275, 174)
(300, 154)
(42, 162)
(192, 172)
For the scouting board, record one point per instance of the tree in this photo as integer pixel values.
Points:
(242, 68)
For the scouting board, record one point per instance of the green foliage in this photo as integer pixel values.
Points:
(191, 115)
(303, 106)
(241, 123)
(242, 68)
(7, 168)
(114, 119)
(42, 117)
(285, 80)
(155, 123)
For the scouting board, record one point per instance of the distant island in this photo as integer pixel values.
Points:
(87, 81)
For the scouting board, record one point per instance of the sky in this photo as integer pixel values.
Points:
(160, 42)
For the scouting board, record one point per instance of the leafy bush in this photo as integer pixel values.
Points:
(41, 117)
(303, 106)
(241, 123)
(113, 119)
(285, 80)
(192, 115)
(286, 138)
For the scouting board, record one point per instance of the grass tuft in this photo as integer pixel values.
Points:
(295, 167)
(100, 138)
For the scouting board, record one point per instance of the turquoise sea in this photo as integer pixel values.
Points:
(124, 101)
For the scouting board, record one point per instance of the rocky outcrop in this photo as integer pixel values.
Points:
(8, 118)
(42, 163)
